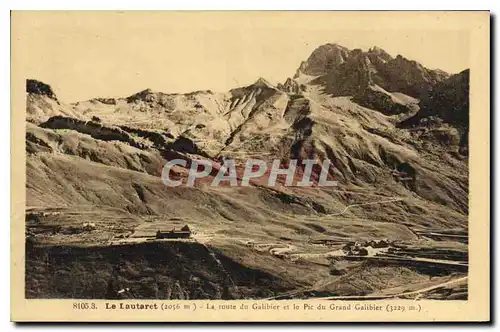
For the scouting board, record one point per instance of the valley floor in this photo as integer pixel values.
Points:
(225, 261)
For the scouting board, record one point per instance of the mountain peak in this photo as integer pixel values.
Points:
(325, 59)
(262, 82)
(333, 46)
(380, 52)
(376, 49)
(145, 95)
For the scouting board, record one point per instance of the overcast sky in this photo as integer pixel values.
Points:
(87, 55)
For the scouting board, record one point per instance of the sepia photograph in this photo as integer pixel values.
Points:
(246, 156)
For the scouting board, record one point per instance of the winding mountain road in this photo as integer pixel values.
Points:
(418, 292)
(363, 204)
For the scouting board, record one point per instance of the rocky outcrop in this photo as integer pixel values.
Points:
(380, 100)
(160, 140)
(445, 111)
(94, 129)
(409, 77)
(39, 88)
(449, 101)
(291, 86)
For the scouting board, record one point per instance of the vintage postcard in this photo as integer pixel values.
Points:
(250, 166)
